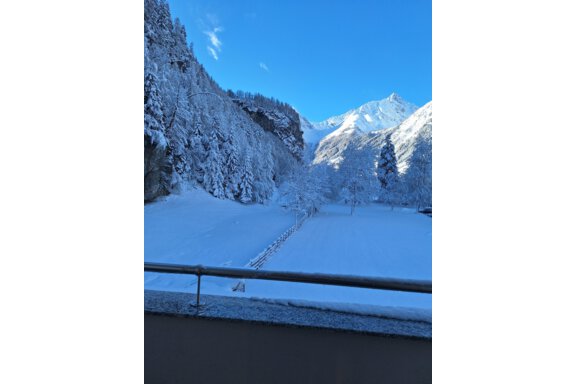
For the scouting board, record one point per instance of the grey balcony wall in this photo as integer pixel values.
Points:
(200, 350)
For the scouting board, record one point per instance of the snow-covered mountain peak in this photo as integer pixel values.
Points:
(374, 115)
(395, 96)
(406, 136)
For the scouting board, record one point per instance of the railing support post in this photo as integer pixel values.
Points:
(198, 291)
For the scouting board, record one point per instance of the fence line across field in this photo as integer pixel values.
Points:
(383, 283)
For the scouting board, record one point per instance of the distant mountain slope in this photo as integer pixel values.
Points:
(340, 130)
(412, 140)
(406, 137)
(371, 116)
(331, 149)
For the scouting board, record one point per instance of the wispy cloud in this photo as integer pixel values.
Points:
(212, 52)
(264, 66)
(215, 46)
(214, 40)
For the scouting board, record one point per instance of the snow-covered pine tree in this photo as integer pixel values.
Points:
(158, 23)
(388, 172)
(153, 115)
(213, 178)
(263, 173)
(157, 169)
(246, 180)
(197, 152)
(418, 178)
(179, 132)
(180, 53)
(231, 169)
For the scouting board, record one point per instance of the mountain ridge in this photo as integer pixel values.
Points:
(373, 115)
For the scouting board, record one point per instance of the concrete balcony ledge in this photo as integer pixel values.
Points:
(246, 341)
(269, 313)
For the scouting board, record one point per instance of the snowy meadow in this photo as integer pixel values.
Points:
(196, 228)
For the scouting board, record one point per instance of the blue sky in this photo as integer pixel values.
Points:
(323, 57)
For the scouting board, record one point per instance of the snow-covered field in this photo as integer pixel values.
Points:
(195, 228)
(375, 241)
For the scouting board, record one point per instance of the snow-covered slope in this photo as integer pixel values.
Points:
(406, 137)
(310, 134)
(412, 141)
(340, 130)
(371, 116)
(331, 149)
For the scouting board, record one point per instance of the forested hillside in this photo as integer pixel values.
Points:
(196, 134)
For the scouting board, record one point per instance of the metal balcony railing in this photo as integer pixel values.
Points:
(389, 284)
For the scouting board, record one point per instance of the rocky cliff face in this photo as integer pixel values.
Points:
(282, 122)
(156, 168)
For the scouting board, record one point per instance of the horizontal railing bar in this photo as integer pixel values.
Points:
(390, 284)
